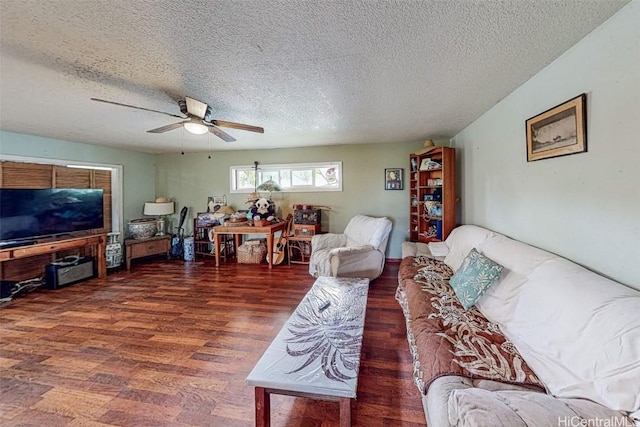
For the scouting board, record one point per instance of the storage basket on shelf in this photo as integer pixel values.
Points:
(252, 252)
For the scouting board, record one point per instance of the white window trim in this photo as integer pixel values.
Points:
(276, 167)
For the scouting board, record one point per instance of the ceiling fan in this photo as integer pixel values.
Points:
(197, 121)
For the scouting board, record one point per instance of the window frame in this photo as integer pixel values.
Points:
(279, 168)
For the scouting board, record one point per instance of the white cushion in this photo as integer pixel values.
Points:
(580, 333)
(363, 229)
(351, 249)
(438, 248)
(461, 240)
(514, 255)
(518, 260)
(499, 301)
(476, 407)
(414, 249)
(422, 249)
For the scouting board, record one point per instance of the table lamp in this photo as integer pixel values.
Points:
(161, 207)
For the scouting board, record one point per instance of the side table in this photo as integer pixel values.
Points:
(138, 248)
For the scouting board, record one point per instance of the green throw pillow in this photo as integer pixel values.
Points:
(473, 278)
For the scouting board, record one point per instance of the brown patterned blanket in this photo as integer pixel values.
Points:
(446, 339)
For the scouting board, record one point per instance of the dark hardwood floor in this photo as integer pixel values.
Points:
(170, 344)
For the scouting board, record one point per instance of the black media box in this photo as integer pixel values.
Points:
(63, 273)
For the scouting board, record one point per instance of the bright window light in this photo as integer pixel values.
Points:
(98, 168)
(294, 177)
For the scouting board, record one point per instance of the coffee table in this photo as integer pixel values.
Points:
(316, 354)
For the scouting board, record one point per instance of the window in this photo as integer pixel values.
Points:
(294, 177)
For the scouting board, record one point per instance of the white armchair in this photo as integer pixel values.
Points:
(358, 252)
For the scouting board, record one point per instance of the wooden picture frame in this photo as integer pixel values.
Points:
(559, 131)
(393, 179)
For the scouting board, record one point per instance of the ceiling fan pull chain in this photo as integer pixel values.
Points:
(182, 140)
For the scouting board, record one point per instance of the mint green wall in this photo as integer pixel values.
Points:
(189, 179)
(584, 206)
(138, 168)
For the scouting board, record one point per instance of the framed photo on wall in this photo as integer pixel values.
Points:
(559, 131)
(393, 178)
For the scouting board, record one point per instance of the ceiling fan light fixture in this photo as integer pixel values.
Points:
(196, 119)
(195, 128)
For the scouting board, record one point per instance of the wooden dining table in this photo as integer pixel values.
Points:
(239, 230)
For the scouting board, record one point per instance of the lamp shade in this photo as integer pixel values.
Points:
(269, 185)
(152, 208)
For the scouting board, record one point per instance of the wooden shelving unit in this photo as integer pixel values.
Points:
(432, 195)
(203, 243)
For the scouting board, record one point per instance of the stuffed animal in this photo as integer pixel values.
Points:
(263, 209)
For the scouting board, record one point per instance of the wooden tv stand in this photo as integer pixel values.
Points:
(52, 246)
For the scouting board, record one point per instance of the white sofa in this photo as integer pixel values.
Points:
(578, 331)
(358, 252)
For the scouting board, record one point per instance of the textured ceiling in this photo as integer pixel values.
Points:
(310, 72)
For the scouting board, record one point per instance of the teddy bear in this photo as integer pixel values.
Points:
(263, 209)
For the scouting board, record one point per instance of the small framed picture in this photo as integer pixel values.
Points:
(427, 197)
(393, 178)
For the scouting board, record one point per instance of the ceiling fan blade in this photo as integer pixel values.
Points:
(166, 128)
(237, 126)
(221, 134)
(137, 108)
(195, 107)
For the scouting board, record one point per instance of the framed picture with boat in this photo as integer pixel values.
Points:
(559, 131)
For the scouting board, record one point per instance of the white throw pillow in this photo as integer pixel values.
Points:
(461, 240)
(363, 229)
(513, 254)
(438, 249)
(518, 260)
(498, 303)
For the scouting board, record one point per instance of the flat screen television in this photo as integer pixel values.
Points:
(30, 213)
